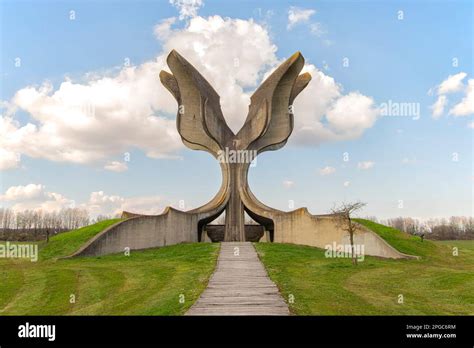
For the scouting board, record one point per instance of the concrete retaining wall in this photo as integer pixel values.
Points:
(300, 227)
(172, 227)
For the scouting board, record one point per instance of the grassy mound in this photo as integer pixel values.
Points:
(401, 241)
(164, 281)
(66, 243)
(438, 284)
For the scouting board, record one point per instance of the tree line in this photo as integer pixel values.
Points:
(38, 224)
(455, 227)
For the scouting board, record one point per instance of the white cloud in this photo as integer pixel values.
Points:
(163, 29)
(105, 116)
(8, 159)
(288, 184)
(98, 198)
(86, 123)
(187, 8)
(20, 192)
(35, 197)
(54, 202)
(352, 113)
(317, 29)
(100, 203)
(452, 84)
(327, 171)
(471, 125)
(298, 15)
(144, 205)
(466, 106)
(116, 166)
(438, 107)
(323, 113)
(346, 183)
(365, 165)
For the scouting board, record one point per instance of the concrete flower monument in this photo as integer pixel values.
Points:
(202, 126)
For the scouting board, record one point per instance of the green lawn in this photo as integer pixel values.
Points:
(438, 283)
(151, 282)
(147, 282)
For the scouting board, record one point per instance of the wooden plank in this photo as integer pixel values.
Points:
(239, 286)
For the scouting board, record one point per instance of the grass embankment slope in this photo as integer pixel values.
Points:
(150, 282)
(438, 283)
(64, 244)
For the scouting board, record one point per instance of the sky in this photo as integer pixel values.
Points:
(386, 119)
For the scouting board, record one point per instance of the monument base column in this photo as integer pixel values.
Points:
(234, 212)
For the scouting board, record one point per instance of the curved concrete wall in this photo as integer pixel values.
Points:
(174, 227)
(300, 227)
(143, 232)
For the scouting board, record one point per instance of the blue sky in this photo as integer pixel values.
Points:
(426, 162)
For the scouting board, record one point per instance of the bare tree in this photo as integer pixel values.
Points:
(344, 214)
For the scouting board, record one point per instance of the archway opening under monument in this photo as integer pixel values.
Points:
(214, 231)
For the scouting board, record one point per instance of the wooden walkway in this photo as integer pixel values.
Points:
(239, 286)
